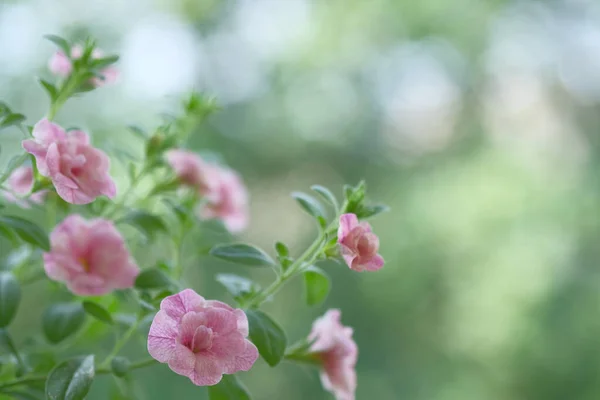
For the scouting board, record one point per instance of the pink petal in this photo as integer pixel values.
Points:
(80, 137)
(347, 223)
(372, 264)
(179, 304)
(162, 337)
(207, 372)
(221, 321)
(47, 132)
(188, 325)
(182, 360)
(243, 361)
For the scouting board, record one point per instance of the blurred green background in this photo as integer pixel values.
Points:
(476, 121)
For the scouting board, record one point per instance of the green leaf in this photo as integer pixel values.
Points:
(138, 131)
(145, 222)
(50, 89)
(104, 61)
(370, 211)
(326, 195)
(238, 286)
(71, 380)
(98, 312)
(27, 230)
(152, 278)
(309, 204)
(61, 43)
(242, 253)
(267, 336)
(10, 296)
(282, 249)
(316, 285)
(12, 119)
(230, 388)
(14, 163)
(61, 320)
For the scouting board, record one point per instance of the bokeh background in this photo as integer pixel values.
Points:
(476, 121)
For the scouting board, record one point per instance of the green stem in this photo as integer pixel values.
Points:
(99, 371)
(121, 203)
(119, 344)
(66, 91)
(308, 257)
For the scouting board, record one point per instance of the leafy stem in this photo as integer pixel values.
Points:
(119, 344)
(67, 89)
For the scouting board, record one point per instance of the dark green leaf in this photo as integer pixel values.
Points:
(181, 213)
(10, 296)
(97, 311)
(316, 284)
(27, 230)
(12, 119)
(104, 61)
(326, 195)
(230, 388)
(267, 336)
(371, 211)
(50, 89)
(309, 204)
(145, 222)
(152, 278)
(60, 42)
(282, 249)
(241, 253)
(71, 380)
(238, 286)
(61, 320)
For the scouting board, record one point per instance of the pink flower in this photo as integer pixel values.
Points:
(189, 168)
(338, 353)
(21, 182)
(79, 172)
(62, 66)
(201, 339)
(227, 199)
(358, 244)
(90, 257)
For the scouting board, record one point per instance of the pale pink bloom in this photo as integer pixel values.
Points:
(226, 199)
(358, 244)
(189, 168)
(79, 171)
(334, 346)
(90, 257)
(201, 339)
(62, 66)
(20, 182)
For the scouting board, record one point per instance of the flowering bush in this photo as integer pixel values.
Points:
(85, 252)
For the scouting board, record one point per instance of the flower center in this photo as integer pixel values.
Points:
(84, 263)
(202, 339)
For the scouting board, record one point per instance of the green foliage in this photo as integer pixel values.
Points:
(309, 204)
(71, 380)
(267, 336)
(241, 253)
(61, 320)
(152, 278)
(327, 195)
(26, 230)
(148, 224)
(316, 285)
(97, 311)
(230, 388)
(239, 288)
(120, 366)
(10, 296)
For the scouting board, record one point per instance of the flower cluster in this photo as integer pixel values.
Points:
(197, 338)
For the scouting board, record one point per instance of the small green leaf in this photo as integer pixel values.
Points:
(12, 119)
(120, 366)
(104, 61)
(370, 211)
(49, 88)
(242, 253)
(309, 204)
(61, 43)
(27, 230)
(61, 320)
(267, 336)
(316, 285)
(282, 249)
(71, 380)
(152, 278)
(230, 388)
(326, 195)
(237, 286)
(10, 296)
(138, 131)
(145, 222)
(97, 311)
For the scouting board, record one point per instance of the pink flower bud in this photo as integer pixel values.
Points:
(21, 182)
(90, 257)
(188, 167)
(79, 171)
(358, 244)
(334, 346)
(62, 66)
(201, 339)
